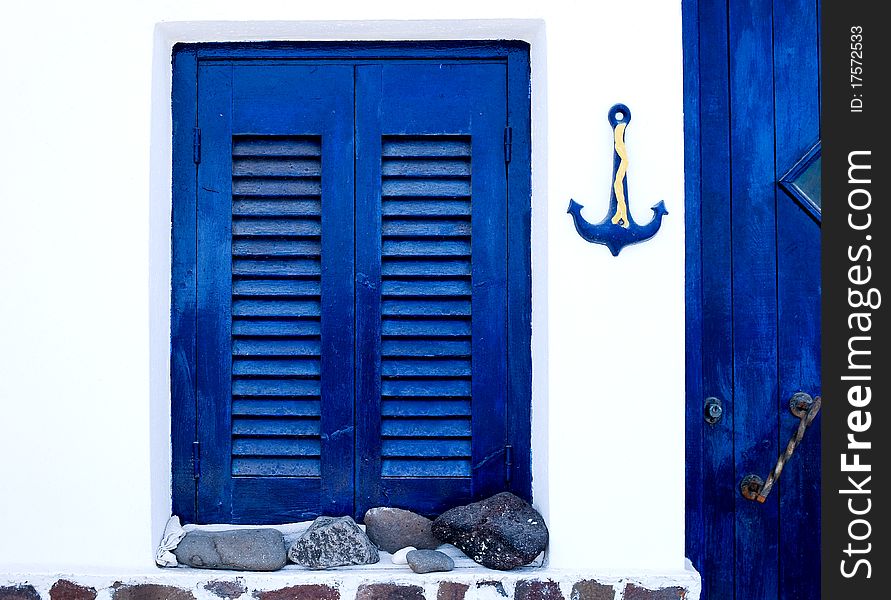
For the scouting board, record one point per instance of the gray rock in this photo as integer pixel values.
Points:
(393, 528)
(230, 590)
(429, 561)
(234, 549)
(502, 532)
(333, 542)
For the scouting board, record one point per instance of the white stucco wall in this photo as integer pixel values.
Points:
(84, 268)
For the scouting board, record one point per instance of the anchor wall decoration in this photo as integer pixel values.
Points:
(618, 229)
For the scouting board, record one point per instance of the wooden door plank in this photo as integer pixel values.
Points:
(796, 76)
(183, 281)
(489, 280)
(519, 272)
(368, 468)
(338, 294)
(214, 267)
(694, 522)
(753, 214)
(718, 476)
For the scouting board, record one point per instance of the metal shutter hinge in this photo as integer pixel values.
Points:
(196, 459)
(196, 145)
(508, 143)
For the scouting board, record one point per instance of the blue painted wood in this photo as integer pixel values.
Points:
(276, 291)
(489, 279)
(278, 286)
(338, 319)
(754, 278)
(694, 518)
(719, 483)
(213, 330)
(796, 101)
(752, 93)
(519, 273)
(353, 52)
(183, 284)
(431, 320)
(370, 327)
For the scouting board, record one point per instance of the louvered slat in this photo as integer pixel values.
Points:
(426, 306)
(276, 306)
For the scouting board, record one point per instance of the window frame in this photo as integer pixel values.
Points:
(186, 149)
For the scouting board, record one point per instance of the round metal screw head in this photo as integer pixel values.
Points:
(713, 410)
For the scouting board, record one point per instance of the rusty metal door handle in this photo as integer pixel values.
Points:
(805, 408)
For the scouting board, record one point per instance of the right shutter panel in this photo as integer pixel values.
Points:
(431, 285)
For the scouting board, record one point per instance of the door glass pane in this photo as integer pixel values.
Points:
(808, 182)
(803, 182)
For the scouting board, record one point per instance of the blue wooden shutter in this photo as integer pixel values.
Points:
(431, 284)
(349, 328)
(274, 292)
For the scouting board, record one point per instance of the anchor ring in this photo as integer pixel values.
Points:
(615, 111)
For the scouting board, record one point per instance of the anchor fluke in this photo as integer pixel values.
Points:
(618, 229)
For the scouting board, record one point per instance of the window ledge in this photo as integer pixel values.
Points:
(292, 531)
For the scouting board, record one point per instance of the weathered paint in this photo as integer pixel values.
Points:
(753, 294)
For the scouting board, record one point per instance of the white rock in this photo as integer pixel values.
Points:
(399, 557)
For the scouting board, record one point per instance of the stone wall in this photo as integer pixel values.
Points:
(188, 584)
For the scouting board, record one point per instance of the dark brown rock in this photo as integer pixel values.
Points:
(502, 532)
(588, 589)
(68, 590)
(226, 589)
(390, 591)
(633, 592)
(392, 529)
(450, 590)
(18, 592)
(538, 590)
(300, 592)
(151, 591)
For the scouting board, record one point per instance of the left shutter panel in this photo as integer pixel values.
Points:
(274, 257)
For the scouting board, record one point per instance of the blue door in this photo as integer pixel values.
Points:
(753, 293)
(342, 332)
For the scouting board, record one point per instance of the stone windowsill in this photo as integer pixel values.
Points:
(292, 531)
